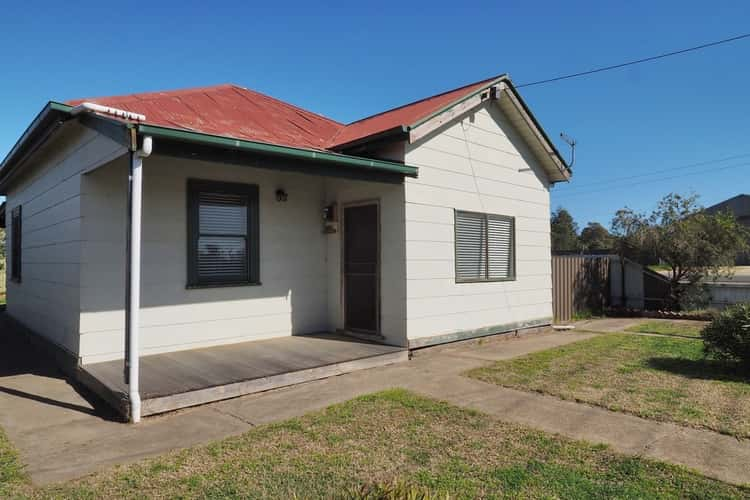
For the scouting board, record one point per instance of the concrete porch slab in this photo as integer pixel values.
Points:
(182, 379)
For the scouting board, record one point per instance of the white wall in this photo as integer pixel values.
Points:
(292, 297)
(392, 254)
(481, 164)
(298, 263)
(47, 299)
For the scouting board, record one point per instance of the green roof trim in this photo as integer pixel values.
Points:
(274, 149)
(58, 106)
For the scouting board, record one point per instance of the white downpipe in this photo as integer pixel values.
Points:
(135, 278)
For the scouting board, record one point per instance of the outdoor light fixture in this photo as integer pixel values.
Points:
(281, 195)
(330, 221)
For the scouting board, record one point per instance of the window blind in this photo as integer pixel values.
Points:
(484, 247)
(471, 246)
(500, 247)
(224, 243)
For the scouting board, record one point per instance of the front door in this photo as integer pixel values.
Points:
(361, 268)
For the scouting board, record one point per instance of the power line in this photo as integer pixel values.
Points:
(620, 186)
(637, 61)
(657, 172)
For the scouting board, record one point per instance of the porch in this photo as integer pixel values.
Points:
(223, 248)
(175, 380)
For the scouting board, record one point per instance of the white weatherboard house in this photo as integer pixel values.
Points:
(180, 247)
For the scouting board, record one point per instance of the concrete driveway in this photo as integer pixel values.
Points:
(61, 433)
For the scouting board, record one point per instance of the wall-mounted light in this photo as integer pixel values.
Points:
(329, 213)
(330, 223)
(281, 195)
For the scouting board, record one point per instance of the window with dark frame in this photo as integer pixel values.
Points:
(223, 246)
(16, 231)
(484, 246)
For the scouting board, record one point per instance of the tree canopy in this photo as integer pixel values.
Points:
(596, 237)
(564, 231)
(694, 245)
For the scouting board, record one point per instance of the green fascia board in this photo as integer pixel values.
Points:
(273, 149)
(58, 106)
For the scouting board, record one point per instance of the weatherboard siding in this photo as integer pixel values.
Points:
(478, 163)
(299, 264)
(291, 299)
(390, 197)
(47, 299)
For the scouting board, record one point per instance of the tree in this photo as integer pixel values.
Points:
(694, 245)
(596, 237)
(564, 231)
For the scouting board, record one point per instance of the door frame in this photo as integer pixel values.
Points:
(342, 244)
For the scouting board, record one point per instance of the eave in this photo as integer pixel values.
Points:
(551, 158)
(266, 149)
(54, 114)
(502, 91)
(35, 135)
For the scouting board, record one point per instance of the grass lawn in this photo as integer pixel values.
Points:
(659, 267)
(12, 478)
(390, 438)
(654, 377)
(668, 328)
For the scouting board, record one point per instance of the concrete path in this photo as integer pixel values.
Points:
(60, 436)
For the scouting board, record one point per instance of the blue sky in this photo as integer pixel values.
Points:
(347, 60)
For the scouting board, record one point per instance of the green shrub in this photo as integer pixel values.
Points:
(694, 297)
(728, 335)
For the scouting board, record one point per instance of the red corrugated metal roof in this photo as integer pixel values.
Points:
(233, 111)
(228, 110)
(407, 114)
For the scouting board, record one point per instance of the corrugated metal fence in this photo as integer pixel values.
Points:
(579, 283)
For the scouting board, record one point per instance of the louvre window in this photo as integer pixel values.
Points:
(485, 247)
(223, 232)
(15, 246)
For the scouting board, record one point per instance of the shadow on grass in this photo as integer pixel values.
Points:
(705, 369)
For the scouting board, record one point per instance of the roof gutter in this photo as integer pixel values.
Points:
(276, 150)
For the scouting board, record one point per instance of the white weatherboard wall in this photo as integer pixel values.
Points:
(291, 299)
(299, 271)
(477, 163)
(47, 299)
(390, 197)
